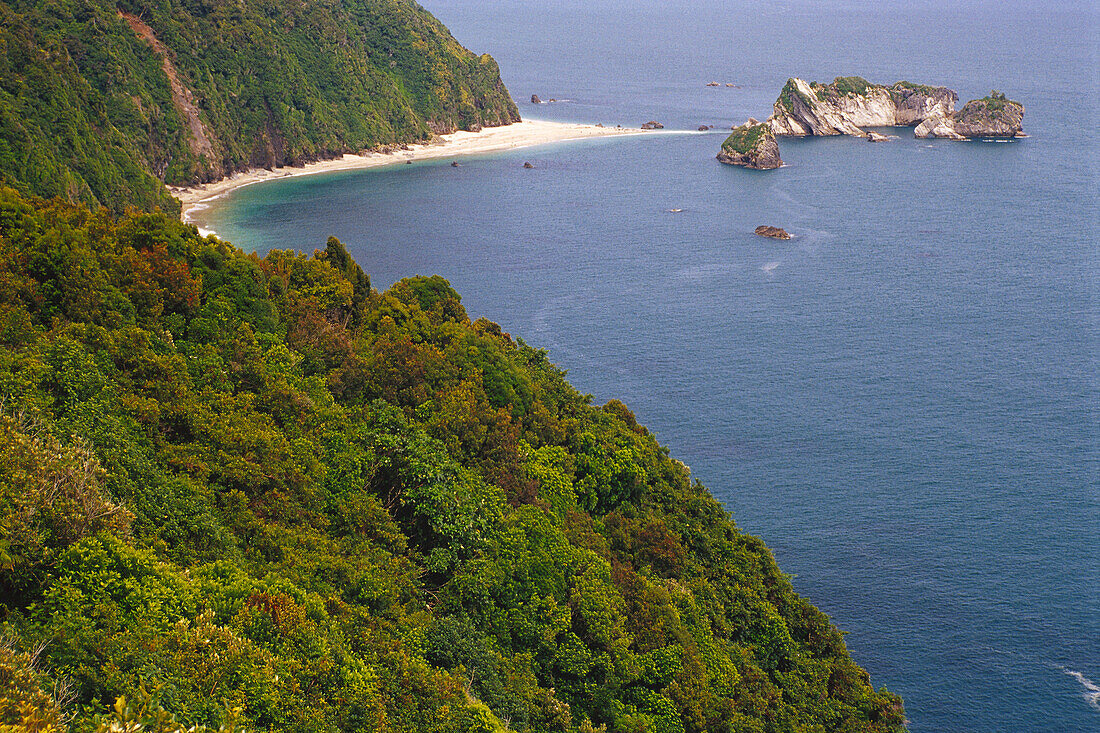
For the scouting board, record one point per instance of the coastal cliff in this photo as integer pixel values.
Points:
(751, 145)
(105, 103)
(851, 103)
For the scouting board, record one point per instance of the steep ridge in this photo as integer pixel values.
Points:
(257, 494)
(106, 104)
(182, 97)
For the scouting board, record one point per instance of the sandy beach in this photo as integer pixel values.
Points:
(524, 134)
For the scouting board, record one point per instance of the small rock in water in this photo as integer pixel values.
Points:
(653, 125)
(874, 137)
(713, 84)
(703, 128)
(774, 232)
(408, 162)
(454, 163)
(535, 99)
(528, 165)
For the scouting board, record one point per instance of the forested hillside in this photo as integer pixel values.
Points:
(104, 102)
(258, 493)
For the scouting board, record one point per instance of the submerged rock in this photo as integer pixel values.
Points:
(774, 232)
(752, 146)
(653, 125)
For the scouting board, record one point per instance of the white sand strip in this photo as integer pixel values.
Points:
(491, 139)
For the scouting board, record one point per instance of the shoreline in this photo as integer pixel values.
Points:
(524, 134)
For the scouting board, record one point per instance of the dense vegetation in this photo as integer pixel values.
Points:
(746, 137)
(258, 493)
(103, 103)
(844, 85)
(994, 102)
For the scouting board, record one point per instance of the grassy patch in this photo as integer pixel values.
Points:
(791, 90)
(852, 85)
(996, 101)
(744, 138)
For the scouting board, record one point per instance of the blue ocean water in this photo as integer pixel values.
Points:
(902, 400)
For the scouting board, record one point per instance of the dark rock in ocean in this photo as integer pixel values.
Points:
(703, 128)
(774, 232)
(528, 165)
(713, 84)
(535, 99)
(408, 162)
(454, 163)
(752, 146)
(874, 137)
(653, 125)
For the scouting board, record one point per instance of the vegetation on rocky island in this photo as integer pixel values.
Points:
(258, 494)
(745, 138)
(787, 95)
(995, 102)
(843, 85)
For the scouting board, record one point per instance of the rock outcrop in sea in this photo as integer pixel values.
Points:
(774, 232)
(992, 116)
(851, 103)
(751, 145)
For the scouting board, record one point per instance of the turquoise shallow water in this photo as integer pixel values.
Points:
(901, 400)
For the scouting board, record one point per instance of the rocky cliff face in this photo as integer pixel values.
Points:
(751, 145)
(992, 116)
(852, 103)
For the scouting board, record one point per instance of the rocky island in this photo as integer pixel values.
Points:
(751, 145)
(992, 116)
(851, 103)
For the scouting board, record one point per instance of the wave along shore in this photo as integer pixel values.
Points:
(524, 134)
